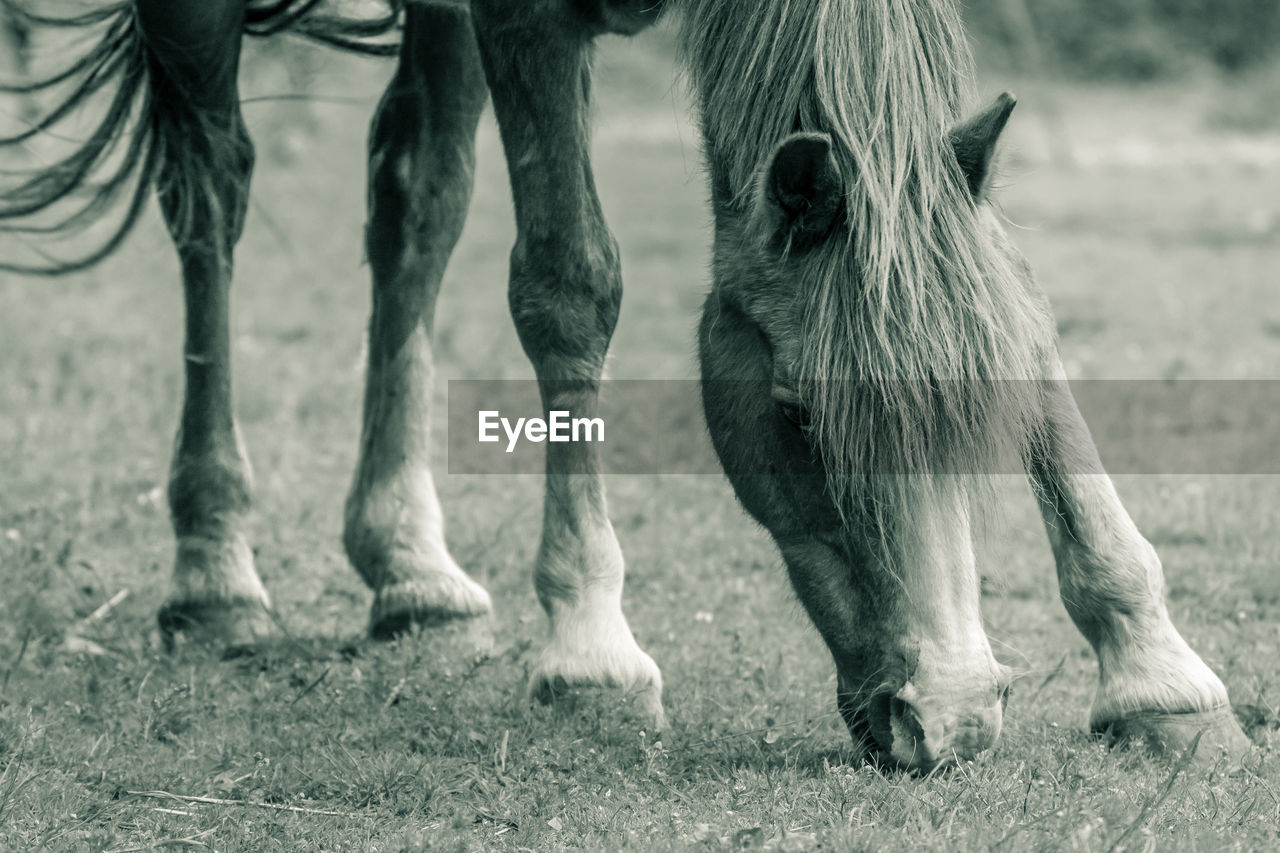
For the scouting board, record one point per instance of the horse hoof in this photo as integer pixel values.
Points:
(1171, 735)
(642, 703)
(639, 688)
(231, 625)
(426, 603)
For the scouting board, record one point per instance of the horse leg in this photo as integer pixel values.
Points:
(421, 163)
(564, 292)
(15, 58)
(203, 189)
(1152, 685)
(15, 38)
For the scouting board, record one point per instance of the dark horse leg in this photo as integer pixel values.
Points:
(15, 43)
(203, 189)
(565, 290)
(1152, 685)
(15, 58)
(421, 164)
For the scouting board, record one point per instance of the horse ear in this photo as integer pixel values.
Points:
(803, 193)
(974, 141)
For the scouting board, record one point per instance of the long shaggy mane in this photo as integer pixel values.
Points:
(915, 318)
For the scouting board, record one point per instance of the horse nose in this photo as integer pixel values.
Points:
(919, 733)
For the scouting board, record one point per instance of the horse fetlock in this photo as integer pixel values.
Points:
(209, 492)
(394, 538)
(375, 525)
(216, 564)
(578, 574)
(1113, 590)
(592, 647)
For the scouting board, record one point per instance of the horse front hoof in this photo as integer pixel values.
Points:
(232, 625)
(633, 678)
(641, 703)
(1221, 741)
(400, 607)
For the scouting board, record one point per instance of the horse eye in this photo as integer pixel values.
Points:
(797, 414)
(789, 404)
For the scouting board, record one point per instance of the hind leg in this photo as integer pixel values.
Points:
(1152, 686)
(15, 58)
(421, 163)
(203, 189)
(565, 291)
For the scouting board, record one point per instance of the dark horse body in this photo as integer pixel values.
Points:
(867, 307)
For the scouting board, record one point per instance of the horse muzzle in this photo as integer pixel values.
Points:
(918, 731)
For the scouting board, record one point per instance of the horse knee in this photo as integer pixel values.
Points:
(565, 294)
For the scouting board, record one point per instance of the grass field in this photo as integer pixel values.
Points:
(1159, 247)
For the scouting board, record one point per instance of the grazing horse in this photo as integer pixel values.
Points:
(869, 338)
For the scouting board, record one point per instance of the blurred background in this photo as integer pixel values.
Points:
(1141, 41)
(1135, 40)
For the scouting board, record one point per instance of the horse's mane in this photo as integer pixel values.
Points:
(912, 317)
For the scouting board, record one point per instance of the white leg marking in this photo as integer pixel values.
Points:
(579, 580)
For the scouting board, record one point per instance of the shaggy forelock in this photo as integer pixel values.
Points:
(913, 316)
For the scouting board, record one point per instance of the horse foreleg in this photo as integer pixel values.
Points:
(420, 178)
(203, 188)
(565, 291)
(1152, 685)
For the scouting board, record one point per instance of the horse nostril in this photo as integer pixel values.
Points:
(905, 722)
(895, 724)
(918, 733)
(879, 711)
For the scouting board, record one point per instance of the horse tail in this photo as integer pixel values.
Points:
(66, 197)
(354, 35)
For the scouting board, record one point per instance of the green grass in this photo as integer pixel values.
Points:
(424, 743)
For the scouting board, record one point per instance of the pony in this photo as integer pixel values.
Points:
(871, 343)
